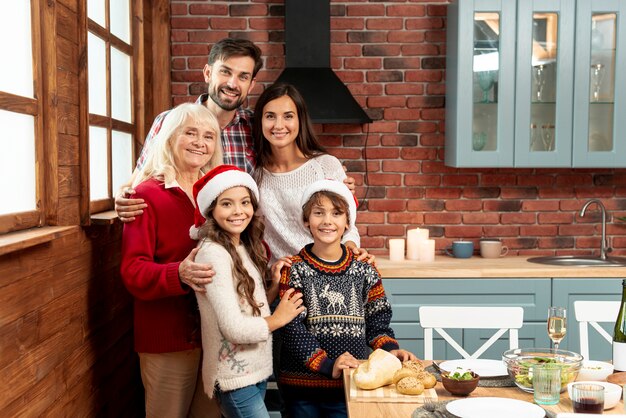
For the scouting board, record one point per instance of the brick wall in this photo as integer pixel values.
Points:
(391, 55)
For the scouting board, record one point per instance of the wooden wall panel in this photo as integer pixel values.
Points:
(69, 181)
(67, 85)
(68, 149)
(66, 329)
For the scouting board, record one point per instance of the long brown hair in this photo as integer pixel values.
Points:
(252, 240)
(306, 141)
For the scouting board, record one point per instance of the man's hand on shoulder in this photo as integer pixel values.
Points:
(126, 207)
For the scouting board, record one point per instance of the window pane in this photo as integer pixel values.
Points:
(98, 173)
(95, 11)
(120, 19)
(18, 142)
(122, 158)
(97, 75)
(16, 74)
(120, 86)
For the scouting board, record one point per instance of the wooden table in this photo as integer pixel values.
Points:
(404, 410)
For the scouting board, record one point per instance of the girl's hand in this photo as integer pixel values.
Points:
(288, 308)
(403, 355)
(344, 361)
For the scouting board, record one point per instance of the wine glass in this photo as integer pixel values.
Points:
(597, 74)
(557, 325)
(539, 75)
(486, 80)
(547, 137)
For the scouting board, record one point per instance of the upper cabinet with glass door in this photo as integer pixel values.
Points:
(600, 80)
(523, 64)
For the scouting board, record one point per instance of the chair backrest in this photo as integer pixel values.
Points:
(589, 312)
(506, 318)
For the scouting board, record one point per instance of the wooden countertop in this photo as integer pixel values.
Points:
(478, 267)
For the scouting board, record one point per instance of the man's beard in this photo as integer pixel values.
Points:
(215, 96)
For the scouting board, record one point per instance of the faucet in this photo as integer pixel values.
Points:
(604, 247)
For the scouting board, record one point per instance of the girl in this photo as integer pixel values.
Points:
(235, 315)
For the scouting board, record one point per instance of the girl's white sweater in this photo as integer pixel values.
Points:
(237, 346)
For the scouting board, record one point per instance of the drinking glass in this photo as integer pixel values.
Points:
(486, 80)
(588, 398)
(557, 325)
(547, 384)
(597, 74)
(539, 75)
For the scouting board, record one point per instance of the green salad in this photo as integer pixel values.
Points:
(524, 372)
(461, 374)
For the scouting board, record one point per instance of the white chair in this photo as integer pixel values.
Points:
(590, 313)
(506, 318)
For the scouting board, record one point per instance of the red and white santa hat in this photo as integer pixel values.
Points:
(337, 187)
(213, 184)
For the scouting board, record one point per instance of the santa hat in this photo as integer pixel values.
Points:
(213, 184)
(337, 187)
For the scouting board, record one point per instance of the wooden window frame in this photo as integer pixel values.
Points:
(34, 107)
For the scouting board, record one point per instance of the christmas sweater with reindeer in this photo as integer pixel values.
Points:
(346, 310)
(237, 345)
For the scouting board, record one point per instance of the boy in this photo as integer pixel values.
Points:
(346, 308)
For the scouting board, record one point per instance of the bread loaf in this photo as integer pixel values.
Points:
(377, 371)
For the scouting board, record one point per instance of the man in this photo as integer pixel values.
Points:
(230, 74)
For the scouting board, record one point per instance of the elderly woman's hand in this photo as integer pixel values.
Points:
(126, 207)
(195, 275)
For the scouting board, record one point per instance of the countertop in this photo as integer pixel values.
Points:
(478, 267)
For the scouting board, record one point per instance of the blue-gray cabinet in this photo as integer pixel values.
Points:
(534, 295)
(535, 83)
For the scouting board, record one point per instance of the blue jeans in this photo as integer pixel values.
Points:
(246, 402)
(316, 409)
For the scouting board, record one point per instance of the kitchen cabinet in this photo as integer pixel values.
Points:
(535, 295)
(533, 83)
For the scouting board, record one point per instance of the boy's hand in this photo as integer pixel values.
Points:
(195, 275)
(127, 208)
(403, 355)
(344, 361)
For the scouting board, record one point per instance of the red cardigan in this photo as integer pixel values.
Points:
(153, 245)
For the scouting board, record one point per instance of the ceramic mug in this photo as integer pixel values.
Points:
(460, 249)
(492, 249)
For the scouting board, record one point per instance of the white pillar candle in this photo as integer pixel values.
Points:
(413, 238)
(412, 241)
(427, 250)
(396, 249)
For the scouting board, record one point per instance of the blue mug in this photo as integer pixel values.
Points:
(460, 249)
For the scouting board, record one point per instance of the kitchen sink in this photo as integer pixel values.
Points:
(580, 261)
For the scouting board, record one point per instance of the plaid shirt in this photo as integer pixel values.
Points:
(236, 138)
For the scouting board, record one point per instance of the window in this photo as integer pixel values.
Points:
(21, 119)
(111, 108)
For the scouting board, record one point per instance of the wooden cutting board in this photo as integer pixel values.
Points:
(386, 394)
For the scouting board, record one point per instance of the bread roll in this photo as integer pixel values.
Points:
(427, 379)
(416, 365)
(410, 386)
(402, 373)
(377, 371)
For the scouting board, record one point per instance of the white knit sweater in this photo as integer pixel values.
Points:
(237, 346)
(285, 232)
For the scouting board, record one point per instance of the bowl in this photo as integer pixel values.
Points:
(595, 370)
(612, 392)
(460, 387)
(520, 361)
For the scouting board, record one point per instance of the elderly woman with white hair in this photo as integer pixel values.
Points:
(157, 261)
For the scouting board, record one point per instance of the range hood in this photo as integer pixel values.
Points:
(307, 50)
